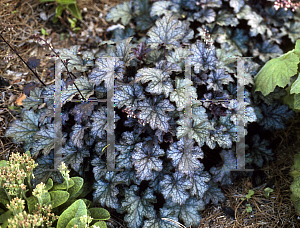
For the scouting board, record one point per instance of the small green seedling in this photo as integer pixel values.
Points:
(248, 196)
(267, 192)
(43, 31)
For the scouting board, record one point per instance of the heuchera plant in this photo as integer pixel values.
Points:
(160, 180)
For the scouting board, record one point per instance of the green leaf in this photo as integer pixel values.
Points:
(49, 184)
(99, 213)
(58, 11)
(275, 72)
(297, 48)
(76, 221)
(3, 197)
(295, 87)
(66, 2)
(63, 185)
(58, 198)
(77, 209)
(43, 31)
(15, 108)
(295, 187)
(78, 183)
(73, 8)
(31, 203)
(46, 198)
(121, 11)
(100, 224)
(4, 217)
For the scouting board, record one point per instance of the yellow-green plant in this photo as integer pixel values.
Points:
(70, 5)
(58, 198)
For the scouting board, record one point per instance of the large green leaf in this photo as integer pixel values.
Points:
(78, 183)
(100, 224)
(275, 72)
(77, 209)
(99, 213)
(58, 198)
(31, 203)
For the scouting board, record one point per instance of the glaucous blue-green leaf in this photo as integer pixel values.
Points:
(292, 29)
(74, 156)
(167, 67)
(178, 95)
(155, 112)
(247, 114)
(107, 69)
(159, 176)
(217, 78)
(231, 128)
(222, 174)
(226, 56)
(145, 158)
(277, 17)
(225, 18)
(236, 5)
(44, 163)
(126, 176)
(120, 34)
(77, 135)
(203, 58)
(141, 7)
(106, 193)
(213, 193)
(24, 130)
(83, 84)
(159, 8)
(275, 116)
(70, 55)
(188, 212)
(275, 72)
(121, 11)
(200, 181)
(143, 22)
(44, 140)
(123, 50)
(174, 186)
(205, 14)
(167, 31)
(188, 33)
(137, 207)
(199, 130)
(267, 50)
(82, 111)
(34, 100)
(185, 156)
(128, 95)
(98, 166)
(87, 58)
(160, 82)
(175, 56)
(220, 136)
(244, 12)
(98, 126)
(257, 23)
(126, 146)
(259, 151)
(154, 56)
